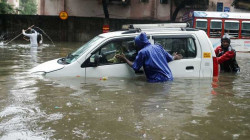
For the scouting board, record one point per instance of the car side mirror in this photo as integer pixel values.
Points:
(95, 59)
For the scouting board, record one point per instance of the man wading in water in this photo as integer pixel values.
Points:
(153, 58)
(226, 56)
(34, 37)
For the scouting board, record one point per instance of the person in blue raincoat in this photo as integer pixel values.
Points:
(153, 58)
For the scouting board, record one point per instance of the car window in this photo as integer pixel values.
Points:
(185, 46)
(232, 28)
(201, 24)
(108, 51)
(79, 52)
(245, 31)
(215, 28)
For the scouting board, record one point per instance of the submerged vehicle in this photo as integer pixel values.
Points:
(96, 58)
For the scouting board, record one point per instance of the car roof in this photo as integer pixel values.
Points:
(160, 28)
(149, 31)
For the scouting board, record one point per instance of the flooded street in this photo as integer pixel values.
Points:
(37, 107)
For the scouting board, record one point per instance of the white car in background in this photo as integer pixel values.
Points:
(96, 57)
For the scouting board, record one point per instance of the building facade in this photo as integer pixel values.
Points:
(135, 9)
(226, 4)
(126, 9)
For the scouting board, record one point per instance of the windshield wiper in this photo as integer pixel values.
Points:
(71, 56)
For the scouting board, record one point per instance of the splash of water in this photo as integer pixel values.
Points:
(2, 40)
(1, 37)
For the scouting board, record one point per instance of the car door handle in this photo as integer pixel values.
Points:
(190, 68)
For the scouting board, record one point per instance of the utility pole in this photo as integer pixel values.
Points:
(171, 8)
(64, 5)
(106, 13)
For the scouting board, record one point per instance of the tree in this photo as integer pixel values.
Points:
(241, 4)
(235, 2)
(5, 8)
(181, 4)
(28, 7)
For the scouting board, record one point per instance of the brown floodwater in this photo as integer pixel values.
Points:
(37, 107)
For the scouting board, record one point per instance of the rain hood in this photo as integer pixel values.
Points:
(141, 41)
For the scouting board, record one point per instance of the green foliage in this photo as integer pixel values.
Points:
(241, 4)
(28, 7)
(194, 4)
(5, 8)
(235, 2)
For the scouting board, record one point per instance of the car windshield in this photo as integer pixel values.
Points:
(79, 52)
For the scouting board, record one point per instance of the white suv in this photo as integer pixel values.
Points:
(96, 57)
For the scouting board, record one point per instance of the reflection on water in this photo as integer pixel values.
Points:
(33, 53)
(36, 107)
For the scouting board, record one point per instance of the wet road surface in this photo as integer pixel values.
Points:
(37, 107)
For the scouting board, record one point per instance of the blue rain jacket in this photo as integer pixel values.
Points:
(154, 60)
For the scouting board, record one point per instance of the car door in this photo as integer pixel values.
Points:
(186, 45)
(106, 64)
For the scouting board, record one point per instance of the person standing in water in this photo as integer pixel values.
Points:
(226, 56)
(33, 37)
(153, 58)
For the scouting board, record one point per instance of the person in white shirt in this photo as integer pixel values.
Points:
(33, 37)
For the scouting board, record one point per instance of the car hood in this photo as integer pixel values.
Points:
(46, 67)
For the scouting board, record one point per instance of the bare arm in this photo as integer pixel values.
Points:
(122, 56)
(177, 56)
(25, 33)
